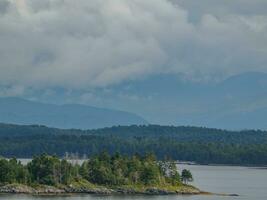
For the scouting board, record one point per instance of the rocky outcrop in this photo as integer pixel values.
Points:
(88, 190)
(39, 190)
(188, 190)
(48, 190)
(156, 191)
(17, 189)
(24, 189)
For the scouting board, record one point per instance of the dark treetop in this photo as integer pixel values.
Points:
(201, 145)
(135, 172)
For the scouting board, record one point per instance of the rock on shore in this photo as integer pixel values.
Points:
(23, 189)
(16, 189)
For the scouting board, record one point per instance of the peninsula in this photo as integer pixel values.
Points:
(101, 174)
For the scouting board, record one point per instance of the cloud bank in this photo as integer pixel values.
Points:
(89, 44)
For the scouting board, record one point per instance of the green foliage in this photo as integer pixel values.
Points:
(201, 145)
(173, 173)
(186, 176)
(102, 169)
(50, 170)
(118, 170)
(12, 171)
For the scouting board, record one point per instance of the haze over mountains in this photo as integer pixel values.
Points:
(20, 111)
(173, 62)
(239, 102)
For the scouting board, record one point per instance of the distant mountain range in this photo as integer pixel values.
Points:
(238, 102)
(25, 112)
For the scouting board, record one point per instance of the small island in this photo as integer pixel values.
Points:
(101, 174)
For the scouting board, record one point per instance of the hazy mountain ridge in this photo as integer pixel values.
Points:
(238, 102)
(21, 111)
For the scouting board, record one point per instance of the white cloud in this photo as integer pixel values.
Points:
(86, 44)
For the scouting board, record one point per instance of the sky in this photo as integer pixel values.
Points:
(96, 43)
(81, 46)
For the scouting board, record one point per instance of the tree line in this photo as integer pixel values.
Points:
(201, 145)
(102, 169)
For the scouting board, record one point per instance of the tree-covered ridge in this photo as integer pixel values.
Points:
(102, 169)
(201, 145)
(185, 133)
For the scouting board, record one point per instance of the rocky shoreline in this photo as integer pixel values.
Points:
(49, 190)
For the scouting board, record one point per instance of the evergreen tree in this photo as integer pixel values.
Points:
(186, 176)
(173, 173)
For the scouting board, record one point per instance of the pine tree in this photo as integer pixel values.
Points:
(186, 176)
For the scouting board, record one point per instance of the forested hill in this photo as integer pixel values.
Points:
(202, 145)
(180, 133)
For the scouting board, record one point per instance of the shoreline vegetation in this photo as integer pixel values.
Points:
(193, 144)
(101, 174)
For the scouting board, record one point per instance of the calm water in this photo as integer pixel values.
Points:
(249, 183)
